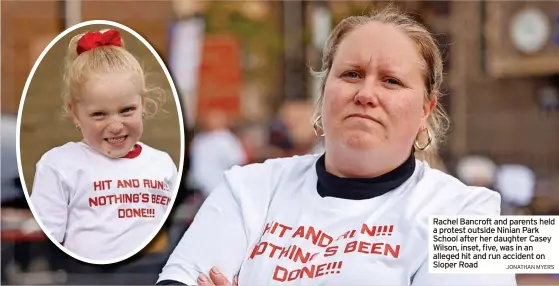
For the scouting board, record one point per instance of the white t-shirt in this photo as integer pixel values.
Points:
(258, 225)
(101, 208)
(212, 153)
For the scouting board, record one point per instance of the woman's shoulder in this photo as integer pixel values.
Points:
(293, 166)
(453, 195)
(260, 181)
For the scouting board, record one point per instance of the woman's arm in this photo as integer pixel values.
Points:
(49, 200)
(216, 237)
(482, 202)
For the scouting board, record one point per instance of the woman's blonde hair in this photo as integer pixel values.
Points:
(80, 66)
(427, 46)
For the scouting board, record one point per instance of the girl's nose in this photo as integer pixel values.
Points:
(116, 127)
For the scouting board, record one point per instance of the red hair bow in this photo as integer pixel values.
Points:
(93, 40)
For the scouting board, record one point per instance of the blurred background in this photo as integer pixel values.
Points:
(242, 72)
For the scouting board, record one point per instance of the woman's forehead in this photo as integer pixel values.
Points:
(380, 45)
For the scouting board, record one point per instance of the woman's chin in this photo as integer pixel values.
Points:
(361, 140)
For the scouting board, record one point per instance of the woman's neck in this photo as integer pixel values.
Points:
(361, 164)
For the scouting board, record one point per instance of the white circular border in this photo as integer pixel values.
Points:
(182, 138)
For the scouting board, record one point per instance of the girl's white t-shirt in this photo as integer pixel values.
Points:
(101, 208)
(268, 224)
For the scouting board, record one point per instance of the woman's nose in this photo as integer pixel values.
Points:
(116, 127)
(367, 94)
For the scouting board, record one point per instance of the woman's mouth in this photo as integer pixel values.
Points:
(117, 141)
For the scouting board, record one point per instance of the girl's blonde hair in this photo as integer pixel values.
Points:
(438, 121)
(105, 59)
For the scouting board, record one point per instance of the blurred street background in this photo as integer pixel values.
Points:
(242, 72)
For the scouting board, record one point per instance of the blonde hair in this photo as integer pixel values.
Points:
(79, 68)
(427, 46)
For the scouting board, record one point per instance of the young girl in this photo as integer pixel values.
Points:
(103, 197)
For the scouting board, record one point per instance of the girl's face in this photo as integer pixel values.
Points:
(109, 113)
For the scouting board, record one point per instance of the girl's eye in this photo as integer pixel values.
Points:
(97, 114)
(128, 110)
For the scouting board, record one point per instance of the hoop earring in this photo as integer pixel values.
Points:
(429, 140)
(315, 126)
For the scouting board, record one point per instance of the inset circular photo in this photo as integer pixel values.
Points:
(100, 142)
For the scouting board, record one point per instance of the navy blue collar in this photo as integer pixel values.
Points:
(330, 185)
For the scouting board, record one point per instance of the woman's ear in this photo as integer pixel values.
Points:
(428, 107)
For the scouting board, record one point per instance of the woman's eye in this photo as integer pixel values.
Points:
(352, 74)
(393, 81)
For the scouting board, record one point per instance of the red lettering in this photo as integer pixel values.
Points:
(266, 229)
(283, 229)
(300, 256)
(258, 249)
(313, 256)
(325, 240)
(294, 275)
(348, 234)
(363, 247)
(331, 250)
(370, 231)
(285, 251)
(394, 252)
(145, 198)
(300, 232)
(350, 247)
(93, 202)
(308, 271)
(374, 248)
(98, 185)
(280, 274)
(320, 269)
(274, 249)
(159, 199)
(314, 234)
(102, 185)
(136, 212)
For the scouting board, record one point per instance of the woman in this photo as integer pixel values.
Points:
(358, 214)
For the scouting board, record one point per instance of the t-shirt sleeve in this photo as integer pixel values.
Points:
(216, 237)
(174, 174)
(50, 199)
(481, 202)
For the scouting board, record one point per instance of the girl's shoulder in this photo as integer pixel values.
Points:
(154, 153)
(68, 151)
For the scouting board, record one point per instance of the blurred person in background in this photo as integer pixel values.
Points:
(288, 137)
(381, 76)
(213, 150)
(12, 192)
(477, 170)
(516, 184)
